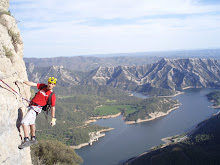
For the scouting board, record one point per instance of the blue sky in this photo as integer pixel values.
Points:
(52, 28)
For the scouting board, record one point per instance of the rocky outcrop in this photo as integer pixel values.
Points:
(163, 78)
(12, 107)
(93, 137)
(4, 5)
(65, 76)
(166, 74)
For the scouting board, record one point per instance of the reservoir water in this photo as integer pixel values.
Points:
(127, 141)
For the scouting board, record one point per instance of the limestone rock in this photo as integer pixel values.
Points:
(12, 107)
(4, 5)
(94, 136)
(166, 73)
(163, 78)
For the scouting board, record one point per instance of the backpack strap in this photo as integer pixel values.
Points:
(47, 107)
(50, 98)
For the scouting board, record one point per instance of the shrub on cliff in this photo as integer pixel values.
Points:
(52, 152)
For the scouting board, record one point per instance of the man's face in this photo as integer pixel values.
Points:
(50, 85)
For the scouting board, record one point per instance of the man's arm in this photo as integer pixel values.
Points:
(29, 83)
(53, 112)
(53, 120)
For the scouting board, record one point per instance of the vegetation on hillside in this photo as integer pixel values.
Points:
(147, 89)
(150, 105)
(214, 97)
(78, 104)
(73, 110)
(51, 152)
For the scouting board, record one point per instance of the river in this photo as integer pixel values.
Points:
(127, 141)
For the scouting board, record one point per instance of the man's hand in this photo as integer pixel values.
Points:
(53, 122)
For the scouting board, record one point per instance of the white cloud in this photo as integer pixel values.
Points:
(55, 28)
(114, 8)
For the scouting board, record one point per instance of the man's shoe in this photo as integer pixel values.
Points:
(33, 140)
(25, 143)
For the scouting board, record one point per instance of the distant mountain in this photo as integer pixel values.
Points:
(41, 74)
(165, 75)
(87, 63)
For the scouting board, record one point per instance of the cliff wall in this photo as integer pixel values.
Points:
(4, 5)
(12, 107)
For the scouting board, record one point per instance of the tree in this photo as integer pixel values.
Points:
(51, 152)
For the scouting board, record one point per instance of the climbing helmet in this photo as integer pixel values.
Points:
(52, 80)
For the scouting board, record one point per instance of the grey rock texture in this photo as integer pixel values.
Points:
(4, 5)
(12, 107)
(170, 74)
(40, 74)
(166, 73)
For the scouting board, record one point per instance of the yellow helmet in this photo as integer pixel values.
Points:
(52, 80)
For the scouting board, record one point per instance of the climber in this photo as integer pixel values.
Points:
(35, 107)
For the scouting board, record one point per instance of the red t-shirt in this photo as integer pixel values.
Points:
(42, 96)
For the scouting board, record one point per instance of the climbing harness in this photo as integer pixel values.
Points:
(47, 106)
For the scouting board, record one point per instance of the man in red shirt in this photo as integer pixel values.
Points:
(35, 108)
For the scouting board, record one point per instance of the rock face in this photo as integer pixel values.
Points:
(12, 108)
(4, 5)
(93, 136)
(38, 74)
(166, 73)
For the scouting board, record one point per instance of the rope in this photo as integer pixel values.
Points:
(46, 115)
(22, 97)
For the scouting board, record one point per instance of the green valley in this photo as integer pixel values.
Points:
(73, 111)
(215, 98)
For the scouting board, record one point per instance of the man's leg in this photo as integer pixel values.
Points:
(33, 130)
(26, 130)
(35, 110)
(33, 138)
(29, 120)
(26, 141)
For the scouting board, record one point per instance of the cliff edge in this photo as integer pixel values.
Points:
(12, 107)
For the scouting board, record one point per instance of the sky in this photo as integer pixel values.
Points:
(54, 28)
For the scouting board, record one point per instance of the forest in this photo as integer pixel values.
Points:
(78, 104)
(214, 97)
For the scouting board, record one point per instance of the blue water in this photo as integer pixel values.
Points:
(127, 141)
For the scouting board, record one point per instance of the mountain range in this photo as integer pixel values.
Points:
(166, 75)
(163, 77)
(87, 63)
